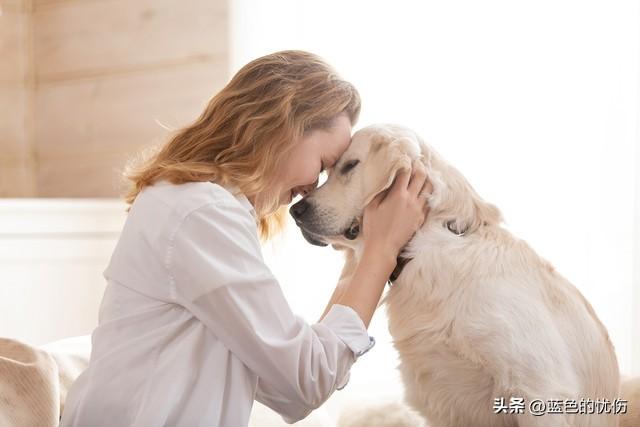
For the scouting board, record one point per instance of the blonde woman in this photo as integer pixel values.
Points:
(193, 326)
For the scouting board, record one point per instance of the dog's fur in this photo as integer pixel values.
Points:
(475, 317)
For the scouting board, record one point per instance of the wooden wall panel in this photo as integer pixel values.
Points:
(107, 72)
(12, 6)
(84, 85)
(80, 38)
(13, 120)
(87, 128)
(98, 175)
(17, 178)
(13, 50)
(17, 170)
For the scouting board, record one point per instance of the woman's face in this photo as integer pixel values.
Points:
(314, 152)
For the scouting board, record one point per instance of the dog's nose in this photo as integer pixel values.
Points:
(298, 209)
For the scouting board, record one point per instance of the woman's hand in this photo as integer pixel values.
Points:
(393, 216)
(390, 220)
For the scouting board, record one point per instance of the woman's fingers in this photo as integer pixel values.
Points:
(413, 181)
(394, 216)
(427, 189)
(377, 199)
(401, 181)
(418, 178)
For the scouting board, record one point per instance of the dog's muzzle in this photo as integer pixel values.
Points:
(311, 238)
(299, 211)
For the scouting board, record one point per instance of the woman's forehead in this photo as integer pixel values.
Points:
(332, 142)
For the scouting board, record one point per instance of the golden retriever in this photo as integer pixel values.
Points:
(484, 326)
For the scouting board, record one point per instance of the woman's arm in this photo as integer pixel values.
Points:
(390, 220)
(348, 269)
(362, 293)
(368, 270)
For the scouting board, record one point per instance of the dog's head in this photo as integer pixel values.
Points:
(332, 214)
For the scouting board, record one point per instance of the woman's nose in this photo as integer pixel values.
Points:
(309, 188)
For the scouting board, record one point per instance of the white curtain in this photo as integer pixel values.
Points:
(535, 102)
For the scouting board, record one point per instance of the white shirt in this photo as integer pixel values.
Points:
(193, 326)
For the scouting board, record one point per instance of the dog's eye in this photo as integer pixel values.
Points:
(348, 166)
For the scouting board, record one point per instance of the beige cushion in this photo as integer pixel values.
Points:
(72, 357)
(29, 386)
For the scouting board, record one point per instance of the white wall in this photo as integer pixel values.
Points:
(535, 102)
(52, 255)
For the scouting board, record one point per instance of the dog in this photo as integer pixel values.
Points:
(484, 327)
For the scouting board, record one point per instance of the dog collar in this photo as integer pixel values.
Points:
(400, 263)
(451, 226)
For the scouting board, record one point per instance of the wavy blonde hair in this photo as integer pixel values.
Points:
(248, 128)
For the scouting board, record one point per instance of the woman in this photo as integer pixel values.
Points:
(193, 326)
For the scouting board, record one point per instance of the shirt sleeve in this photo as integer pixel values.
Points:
(218, 274)
(340, 320)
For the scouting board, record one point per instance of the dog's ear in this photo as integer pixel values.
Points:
(387, 159)
(458, 203)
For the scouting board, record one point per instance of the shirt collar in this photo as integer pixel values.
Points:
(240, 197)
(246, 203)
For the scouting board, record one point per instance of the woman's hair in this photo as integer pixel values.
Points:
(247, 129)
